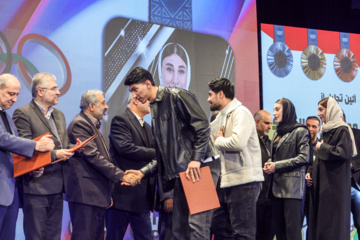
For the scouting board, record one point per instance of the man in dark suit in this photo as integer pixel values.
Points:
(43, 196)
(131, 147)
(11, 143)
(91, 176)
(264, 224)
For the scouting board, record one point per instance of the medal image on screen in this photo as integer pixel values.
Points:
(345, 63)
(313, 61)
(279, 56)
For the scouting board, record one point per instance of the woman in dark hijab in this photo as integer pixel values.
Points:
(290, 154)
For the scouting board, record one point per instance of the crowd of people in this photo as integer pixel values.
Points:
(266, 187)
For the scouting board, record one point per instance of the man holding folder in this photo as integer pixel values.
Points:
(182, 134)
(43, 196)
(11, 143)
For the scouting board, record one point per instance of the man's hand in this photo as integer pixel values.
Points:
(78, 142)
(168, 205)
(37, 173)
(269, 167)
(132, 178)
(64, 154)
(318, 144)
(308, 180)
(45, 144)
(193, 171)
(111, 203)
(220, 133)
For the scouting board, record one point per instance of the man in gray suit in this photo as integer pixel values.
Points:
(43, 196)
(91, 175)
(11, 143)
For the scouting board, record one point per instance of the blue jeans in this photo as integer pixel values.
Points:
(196, 226)
(236, 217)
(355, 207)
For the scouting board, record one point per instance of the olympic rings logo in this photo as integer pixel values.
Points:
(25, 65)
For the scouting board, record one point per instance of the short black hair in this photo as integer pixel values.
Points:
(138, 75)
(313, 118)
(223, 84)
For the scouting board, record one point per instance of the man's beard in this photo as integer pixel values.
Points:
(215, 107)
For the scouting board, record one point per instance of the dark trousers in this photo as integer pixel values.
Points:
(165, 225)
(287, 218)
(236, 217)
(117, 222)
(264, 223)
(8, 217)
(195, 226)
(355, 207)
(87, 221)
(43, 216)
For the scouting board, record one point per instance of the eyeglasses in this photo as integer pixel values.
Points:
(52, 89)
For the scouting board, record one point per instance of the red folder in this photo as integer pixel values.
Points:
(23, 165)
(77, 147)
(201, 196)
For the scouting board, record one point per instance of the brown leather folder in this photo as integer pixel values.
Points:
(201, 196)
(23, 165)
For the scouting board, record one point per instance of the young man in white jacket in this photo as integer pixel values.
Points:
(239, 186)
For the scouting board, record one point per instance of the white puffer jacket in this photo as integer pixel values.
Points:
(240, 148)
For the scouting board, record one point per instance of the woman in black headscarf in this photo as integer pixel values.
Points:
(290, 154)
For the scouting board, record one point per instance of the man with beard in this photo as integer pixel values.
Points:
(92, 174)
(313, 124)
(241, 170)
(182, 139)
(43, 196)
(264, 222)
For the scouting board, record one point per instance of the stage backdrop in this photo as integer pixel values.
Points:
(93, 44)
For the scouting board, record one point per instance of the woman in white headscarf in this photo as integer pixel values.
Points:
(174, 66)
(330, 205)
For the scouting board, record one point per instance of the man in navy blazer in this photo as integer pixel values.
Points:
(10, 143)
(43, 196)
(131, 147)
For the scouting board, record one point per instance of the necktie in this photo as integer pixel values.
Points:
(97, 125)
(6, 122)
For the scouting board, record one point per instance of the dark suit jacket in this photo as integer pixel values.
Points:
(132, 147)
(92, 174)
(11, 143)
(31, 123)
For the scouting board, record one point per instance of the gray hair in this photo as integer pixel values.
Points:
(3, 79)
(89, 97)
(39, 80)
(130, 99)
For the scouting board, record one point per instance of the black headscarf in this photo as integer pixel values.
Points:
(288, 122)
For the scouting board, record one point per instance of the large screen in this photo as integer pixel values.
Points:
(307, 65)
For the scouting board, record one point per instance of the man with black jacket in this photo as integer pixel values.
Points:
(181, 133)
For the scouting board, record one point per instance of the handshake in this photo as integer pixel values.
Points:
(132, 178)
